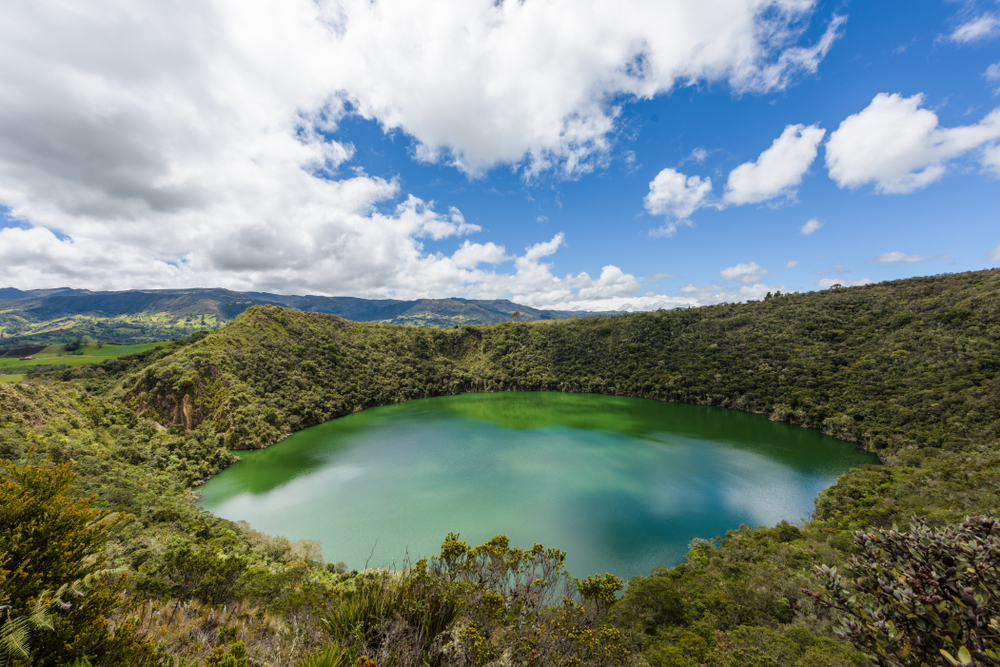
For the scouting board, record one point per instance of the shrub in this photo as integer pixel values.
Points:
(52, 549)
(921, 596)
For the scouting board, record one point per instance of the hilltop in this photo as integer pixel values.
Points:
(34, 317)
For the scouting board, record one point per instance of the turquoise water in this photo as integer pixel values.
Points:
(621, 484)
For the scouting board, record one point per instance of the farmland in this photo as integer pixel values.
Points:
(14, 367)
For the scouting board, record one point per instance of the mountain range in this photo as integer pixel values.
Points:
(55, 315)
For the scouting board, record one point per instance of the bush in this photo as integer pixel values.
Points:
(52, 545)
(922, 597)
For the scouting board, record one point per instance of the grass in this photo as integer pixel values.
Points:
(13, 369)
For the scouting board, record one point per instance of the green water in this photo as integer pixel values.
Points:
(621, 484)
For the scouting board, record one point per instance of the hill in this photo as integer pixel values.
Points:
(33, 317)
(908, 369)
(859, 363)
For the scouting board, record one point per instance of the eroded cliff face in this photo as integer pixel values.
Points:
(171, 398)
(187, 414)
(172, 410)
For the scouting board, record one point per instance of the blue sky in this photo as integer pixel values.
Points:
(552, 152)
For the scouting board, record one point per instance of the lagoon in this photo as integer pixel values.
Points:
(621, 484)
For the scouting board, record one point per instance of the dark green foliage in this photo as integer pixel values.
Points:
(51, 557)
(204, 574)
(921, 596)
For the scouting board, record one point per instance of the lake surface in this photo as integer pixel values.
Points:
(621, 484)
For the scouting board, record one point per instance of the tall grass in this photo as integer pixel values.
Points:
(389, 615)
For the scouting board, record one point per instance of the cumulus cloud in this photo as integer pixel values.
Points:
(791, 264)
(994, 255)
(981, 28)
(896, 256)
(714, 294)
(676, 196)
(191, 141)
(899, 146)
(831, 282)
(470, 255)
(775, 173)
(532, 82)
(811, 226)
(778, 170)
(534, 284)
(746, 273)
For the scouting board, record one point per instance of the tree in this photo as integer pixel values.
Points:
(921, 597)
(52, 555)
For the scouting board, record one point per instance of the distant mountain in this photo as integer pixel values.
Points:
(53, 315)
(11, 293)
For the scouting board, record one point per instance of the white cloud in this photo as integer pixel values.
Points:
(811, 226)
(699, 155)
(983, 27)
(778, 170)
(991, 158)
(470, 255)
(675, 195)
(994, 255)
(791, 264)
(668, 230)
(536, 79)
(746, 273)
(714, 294)
(899, 146)
(830, 282)
(896, 256)
(992, 73)
(190, 141)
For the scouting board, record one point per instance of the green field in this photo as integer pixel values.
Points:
(14, 369)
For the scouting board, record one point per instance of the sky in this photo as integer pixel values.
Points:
(565, 154)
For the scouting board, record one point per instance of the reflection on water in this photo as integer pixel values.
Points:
(622, 484)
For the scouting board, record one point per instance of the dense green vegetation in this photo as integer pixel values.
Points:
(906, 369)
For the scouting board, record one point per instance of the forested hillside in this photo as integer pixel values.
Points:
(906, 364)
(909, 369)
